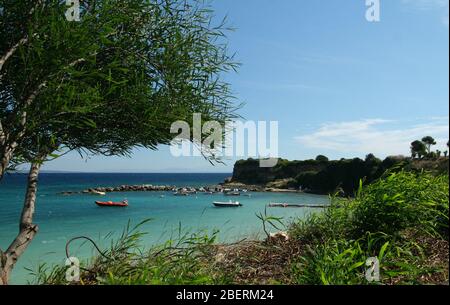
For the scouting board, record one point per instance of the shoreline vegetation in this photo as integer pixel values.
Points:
(401, 219)
(324, 177)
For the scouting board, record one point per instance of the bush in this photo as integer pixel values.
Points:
(338, 261)
(321, 158)
(387, 219)
(403, 200)
(306, 179)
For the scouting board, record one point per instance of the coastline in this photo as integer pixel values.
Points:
(219, 188)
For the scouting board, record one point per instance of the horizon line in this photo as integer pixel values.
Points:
(113, 172)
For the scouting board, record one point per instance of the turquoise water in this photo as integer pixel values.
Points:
(62, 217)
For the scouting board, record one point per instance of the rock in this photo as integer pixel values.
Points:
(220, 257)
(279, 236)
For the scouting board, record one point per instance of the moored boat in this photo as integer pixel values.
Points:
(227, 204)
(112, 204)
(95, 192)
(181, 194)
(234, 192)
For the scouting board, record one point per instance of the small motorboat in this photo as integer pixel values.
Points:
(181, 194)
(95, 192)
(112, 204)
(233, 193)
(227, 204)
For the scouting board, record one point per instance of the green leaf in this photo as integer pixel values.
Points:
(382, 251)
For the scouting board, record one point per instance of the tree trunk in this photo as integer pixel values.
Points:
(27, 230)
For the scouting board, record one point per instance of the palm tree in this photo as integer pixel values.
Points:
(428, 141)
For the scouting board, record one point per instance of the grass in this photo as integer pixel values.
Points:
(388, 219)
(401, 219)
(181, 260)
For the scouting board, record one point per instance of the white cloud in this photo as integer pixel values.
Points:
(378, 136)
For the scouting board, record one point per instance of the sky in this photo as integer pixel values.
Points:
(337, 84)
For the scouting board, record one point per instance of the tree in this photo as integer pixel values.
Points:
(370, 158)
(113, 81)
(432, 155)
(418, 149)
(322, 158)
(428, 141)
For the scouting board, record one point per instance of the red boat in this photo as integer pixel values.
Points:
(112, 204)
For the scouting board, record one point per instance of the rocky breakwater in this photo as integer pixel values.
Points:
(124, 188)
(146, 188)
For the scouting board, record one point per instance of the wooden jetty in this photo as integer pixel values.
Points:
(296, 205)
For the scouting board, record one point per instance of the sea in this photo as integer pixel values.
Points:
(62, 217)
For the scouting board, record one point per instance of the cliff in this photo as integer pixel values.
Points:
(324, 176)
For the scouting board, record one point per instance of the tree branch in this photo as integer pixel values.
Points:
(11, 52)
(2, 135)
(8, 149)
(21, 42)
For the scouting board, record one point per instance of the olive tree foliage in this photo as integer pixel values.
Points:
(418, 149)
(115, 80)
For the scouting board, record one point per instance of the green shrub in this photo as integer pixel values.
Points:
(377, 222)
(338, 261)
(403, 200)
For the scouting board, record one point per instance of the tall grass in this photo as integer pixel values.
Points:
(180, 260)
(383, 220)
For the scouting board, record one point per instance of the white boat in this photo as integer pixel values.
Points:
(181, 194)
(233, 193)
(227, 204)
(94, 192)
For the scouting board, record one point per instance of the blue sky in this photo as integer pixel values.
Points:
(337, 84)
